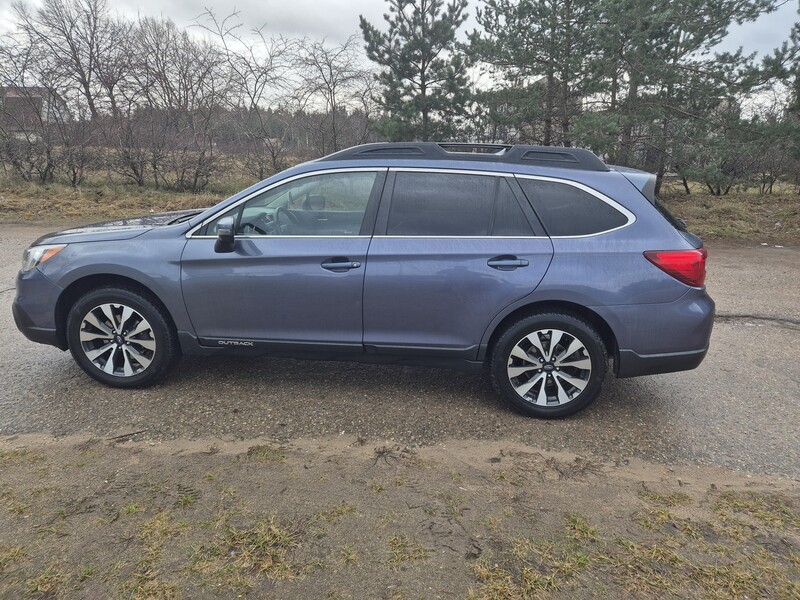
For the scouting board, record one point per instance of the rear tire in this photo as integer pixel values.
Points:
(121, 338)
(548, 365)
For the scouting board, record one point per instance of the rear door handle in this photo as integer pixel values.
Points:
(507, 263)
(340, 264)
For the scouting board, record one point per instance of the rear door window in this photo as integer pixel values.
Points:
(454, 205)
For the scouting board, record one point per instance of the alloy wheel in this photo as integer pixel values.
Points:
(549, 367)
(117, 339)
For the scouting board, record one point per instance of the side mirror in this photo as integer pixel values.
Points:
(225, 235)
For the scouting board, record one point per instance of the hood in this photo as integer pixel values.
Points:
(122, 229)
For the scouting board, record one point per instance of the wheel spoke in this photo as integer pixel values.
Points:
(109, 366)
(88, 336)
(555, 338)
(95, 322)
(109, 314)
(578, 363)
(519, 353)
(517, 371)
(140, 328)
(541, 397)
(574, 346)
(93, 355)
(126, 367)
(537, 343)
(563, 397)
(139, 357)
(574, 381)
(146, 344)
(127, 313)
(526, 387)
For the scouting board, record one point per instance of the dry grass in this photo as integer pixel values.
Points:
(56, 203)
(404, 550)
(266, 454)
(239, 555)
(743, 215)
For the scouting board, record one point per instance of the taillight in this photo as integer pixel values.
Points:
(687, 266)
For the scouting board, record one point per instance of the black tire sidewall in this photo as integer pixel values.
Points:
(166, 340)
(572, 325)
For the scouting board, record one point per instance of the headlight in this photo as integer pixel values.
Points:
(36, 255)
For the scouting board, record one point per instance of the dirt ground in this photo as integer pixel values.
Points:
(357, 518)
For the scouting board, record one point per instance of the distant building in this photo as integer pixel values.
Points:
(27, 109)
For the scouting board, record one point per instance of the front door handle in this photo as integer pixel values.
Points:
(340, 264)
(507, 263)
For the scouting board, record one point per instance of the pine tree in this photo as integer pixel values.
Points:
(542, 49)
(424, 79)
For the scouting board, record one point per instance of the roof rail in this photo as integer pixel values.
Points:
(520, 154)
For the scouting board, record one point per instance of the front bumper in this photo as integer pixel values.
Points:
(34, 308)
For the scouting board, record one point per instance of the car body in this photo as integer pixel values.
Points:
(446, 255)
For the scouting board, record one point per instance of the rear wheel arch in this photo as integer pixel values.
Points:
(555, 306)
(78, 288)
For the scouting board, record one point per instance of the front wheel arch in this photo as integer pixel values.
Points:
(121, 337)
(84, 285)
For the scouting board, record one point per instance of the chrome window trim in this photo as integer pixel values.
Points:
(599, 195)
(465, 237)
(450, 171)
(285, 237)
(190, 233)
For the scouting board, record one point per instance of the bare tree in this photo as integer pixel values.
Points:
(339, 90)
(261, 101)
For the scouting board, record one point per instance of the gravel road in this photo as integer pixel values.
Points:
(739, 409)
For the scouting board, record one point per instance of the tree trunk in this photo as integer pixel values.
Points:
(548, 109)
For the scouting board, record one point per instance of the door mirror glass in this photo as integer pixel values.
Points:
(225, 235)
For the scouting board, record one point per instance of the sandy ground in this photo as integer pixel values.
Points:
(84, 517)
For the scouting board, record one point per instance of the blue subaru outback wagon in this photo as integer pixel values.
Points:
(544, 265)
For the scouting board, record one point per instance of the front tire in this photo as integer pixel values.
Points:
(121, 338)
(549, 365)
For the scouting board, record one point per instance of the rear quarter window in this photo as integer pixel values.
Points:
(566, 210)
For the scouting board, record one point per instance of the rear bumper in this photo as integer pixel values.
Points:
(661, 338)
(34, 308)
(631, 364)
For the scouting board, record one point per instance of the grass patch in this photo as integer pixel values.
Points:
(769, 509)
(335, 514)
(238, 555)
(50, 583)
(12, 502)
(266, 454)
(19, 456)
(759, 560)
(10, 555)
(404, 551)
(668, 500)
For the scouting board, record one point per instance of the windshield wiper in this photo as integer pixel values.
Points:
(183, 218)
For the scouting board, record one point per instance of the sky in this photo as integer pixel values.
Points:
(336, 20)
